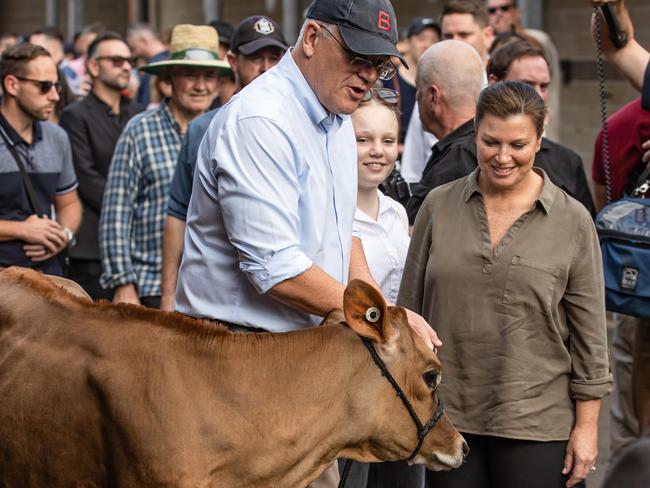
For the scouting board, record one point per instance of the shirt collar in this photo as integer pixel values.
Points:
(13, 136)
(384, 206)
(167, 114)
(304, 94)
(93, 98)
(545, 197)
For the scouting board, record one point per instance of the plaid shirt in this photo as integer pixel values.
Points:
(135, 201)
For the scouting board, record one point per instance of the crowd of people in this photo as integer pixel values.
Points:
(225, 175)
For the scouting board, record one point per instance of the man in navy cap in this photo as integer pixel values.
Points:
(269, 244)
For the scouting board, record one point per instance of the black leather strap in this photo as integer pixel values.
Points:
(31, 195)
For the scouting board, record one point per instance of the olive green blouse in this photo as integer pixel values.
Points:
(523, 327)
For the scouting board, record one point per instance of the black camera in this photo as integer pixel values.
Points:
(396, 187)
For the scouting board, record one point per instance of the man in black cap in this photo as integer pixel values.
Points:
(269, 244)
(256, 46)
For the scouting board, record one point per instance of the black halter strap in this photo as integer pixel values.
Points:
(423, 430)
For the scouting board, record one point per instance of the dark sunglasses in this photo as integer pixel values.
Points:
(384, 94)
(385, 69)
(45, 86)
(117, 61)
(502, 8)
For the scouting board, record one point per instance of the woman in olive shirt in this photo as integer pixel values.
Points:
(507, 268)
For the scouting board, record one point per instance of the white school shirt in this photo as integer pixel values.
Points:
(385, 243)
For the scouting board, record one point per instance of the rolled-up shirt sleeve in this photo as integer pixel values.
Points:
(258, 172)
(584, 303)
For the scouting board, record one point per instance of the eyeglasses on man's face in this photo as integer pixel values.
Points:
(385, 68)
(384, 94)
(117, 61)
(44, 85)
(501, 8)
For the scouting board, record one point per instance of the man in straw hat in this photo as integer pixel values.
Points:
(269, 242)
(137, 189)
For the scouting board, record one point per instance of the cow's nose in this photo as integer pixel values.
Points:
(465, 450)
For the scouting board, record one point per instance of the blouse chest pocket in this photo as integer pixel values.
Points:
(530, 284)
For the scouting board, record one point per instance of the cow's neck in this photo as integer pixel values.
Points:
(323, 363)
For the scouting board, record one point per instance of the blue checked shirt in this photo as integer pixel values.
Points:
(135, 201)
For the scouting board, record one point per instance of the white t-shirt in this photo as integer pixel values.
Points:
(385, 243)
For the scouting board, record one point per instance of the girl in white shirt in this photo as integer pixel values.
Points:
(381, 221)
(382, 225)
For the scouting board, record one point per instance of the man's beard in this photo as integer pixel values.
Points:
(114, 84)
(34, 114)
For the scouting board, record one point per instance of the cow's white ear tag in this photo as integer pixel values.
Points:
(373, 314)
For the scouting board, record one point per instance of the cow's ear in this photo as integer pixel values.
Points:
(366, 311)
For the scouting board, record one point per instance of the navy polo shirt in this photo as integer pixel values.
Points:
(48, 161)
(180, 190)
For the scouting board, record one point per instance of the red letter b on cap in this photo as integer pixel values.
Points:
(384, 21)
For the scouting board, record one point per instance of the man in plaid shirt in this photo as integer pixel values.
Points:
(137, 189)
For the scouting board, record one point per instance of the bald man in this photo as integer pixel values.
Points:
(461, 20)
(450, 75)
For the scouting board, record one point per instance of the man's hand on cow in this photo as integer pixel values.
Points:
(581, 454)
(45, 232)
(126, 294)
(423, 329)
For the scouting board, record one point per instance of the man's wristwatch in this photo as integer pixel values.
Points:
(72, 240)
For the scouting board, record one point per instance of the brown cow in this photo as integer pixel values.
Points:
(117, 395)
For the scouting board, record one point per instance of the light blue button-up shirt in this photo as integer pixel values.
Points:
(274, 193)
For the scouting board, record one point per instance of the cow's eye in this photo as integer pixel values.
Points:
(431, 378)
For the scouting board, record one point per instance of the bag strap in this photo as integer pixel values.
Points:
(27, 182)
(600, 69)
(642, 184)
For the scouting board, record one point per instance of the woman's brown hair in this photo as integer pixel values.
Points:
(507, 98)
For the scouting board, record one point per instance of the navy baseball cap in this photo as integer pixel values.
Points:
(255, 33)
(368, 27)
(420, 23)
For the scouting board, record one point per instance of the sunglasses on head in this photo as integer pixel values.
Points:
(384, 94)
(117, 61)
(45, 86)
(502, 8)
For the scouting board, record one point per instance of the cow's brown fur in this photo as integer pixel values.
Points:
(106, 395)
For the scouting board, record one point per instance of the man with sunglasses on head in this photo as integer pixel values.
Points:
(36, 165)
(94, 124)
(506, 17)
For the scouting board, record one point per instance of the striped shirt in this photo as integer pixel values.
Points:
(135, 201)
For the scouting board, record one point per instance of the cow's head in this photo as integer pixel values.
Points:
(416, 369)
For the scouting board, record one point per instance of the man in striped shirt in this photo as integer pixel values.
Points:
(137, 189)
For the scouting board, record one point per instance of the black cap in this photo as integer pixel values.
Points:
(368, 27)
(420, 23)
(255, 33)
(224, 30)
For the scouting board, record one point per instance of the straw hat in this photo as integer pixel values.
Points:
(194, 46)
